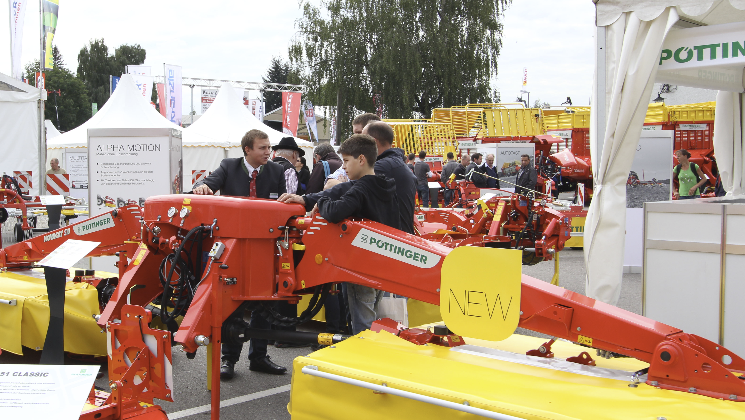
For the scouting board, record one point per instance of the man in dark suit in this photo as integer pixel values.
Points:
(253, 175)
(526, 177)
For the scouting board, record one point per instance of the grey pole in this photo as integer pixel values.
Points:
(42, 137)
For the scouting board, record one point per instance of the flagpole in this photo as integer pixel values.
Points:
(42, 137)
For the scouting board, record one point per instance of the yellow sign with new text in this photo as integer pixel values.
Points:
(480, 292)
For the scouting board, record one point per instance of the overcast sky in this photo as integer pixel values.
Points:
(236, 40)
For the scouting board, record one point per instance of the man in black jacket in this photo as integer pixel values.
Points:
(253, 175)
(390, 164)
(526, 177)
(322, 153)
(286, 153)
(474, 170)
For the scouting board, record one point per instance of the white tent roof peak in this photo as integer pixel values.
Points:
(706, 12)
(126, 108)
(226, 122)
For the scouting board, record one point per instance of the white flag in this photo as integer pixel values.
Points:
(17, 14)
(144, 84)
(310, 119)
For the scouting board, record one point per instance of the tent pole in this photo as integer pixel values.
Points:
(42, 142)
(600, 98)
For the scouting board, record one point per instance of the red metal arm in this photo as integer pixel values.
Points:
(117, 230)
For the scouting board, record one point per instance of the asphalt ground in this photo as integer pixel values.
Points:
(251, 395)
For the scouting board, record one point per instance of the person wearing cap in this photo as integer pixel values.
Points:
(287, 153)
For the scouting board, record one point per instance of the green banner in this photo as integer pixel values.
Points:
(51, 11)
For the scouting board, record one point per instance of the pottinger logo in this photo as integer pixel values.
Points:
(392, 248)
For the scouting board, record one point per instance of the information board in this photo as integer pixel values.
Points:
(44, 391)
(76, 165)
(127, 170)
(508, 161)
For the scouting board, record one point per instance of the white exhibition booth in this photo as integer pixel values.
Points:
(19, 127)
(698, 43)
(218, 133)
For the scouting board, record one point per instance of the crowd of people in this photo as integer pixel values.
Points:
(368, 178)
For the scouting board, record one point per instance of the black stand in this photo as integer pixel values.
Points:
(433, 198)
(54, 344)
(54, 212)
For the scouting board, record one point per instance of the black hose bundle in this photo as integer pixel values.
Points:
(179, 293)
(314, 306)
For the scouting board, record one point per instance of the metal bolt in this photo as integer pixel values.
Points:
(113, 386)
(579, 329)
(201, 340)
(691, 389)
(654, 383)
(384, 384)
(438, 290)
(661, 418)
(271, 230)
(168, 395)
(521, 312)
(332, 347)
(341, 236)
(733, 397)
(466, 403)
(127, 315)
(165, 336)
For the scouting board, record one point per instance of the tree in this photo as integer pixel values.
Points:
(277, 73)
(95, 66)
(57, 58)
(417, 54)
(68, 104)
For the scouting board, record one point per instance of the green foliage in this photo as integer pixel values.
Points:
(72, 101)
(277, 73)
(95, 65)
(418, 54)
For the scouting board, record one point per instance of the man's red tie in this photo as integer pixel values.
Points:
(252, 188)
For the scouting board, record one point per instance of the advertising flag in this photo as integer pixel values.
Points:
(525, 77)
(113, 83)
(138, 70)
(310, 119)
(51, 11)
(290, 112)
(256, 106)
(17, 14)
(173, 93)
(144, 85)
(41, 79)
(160, 87)
(208, 96)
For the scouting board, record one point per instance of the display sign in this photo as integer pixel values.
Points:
(256, 106)
(138, 70)
(208, 96)
(70, 252)
(486, 303)
(76, 165)
(45, 391)
(652, 128)
(564, 134)
(144, 85)
(508, 161)
(651, 171)
(52, 200)
(127, 170)
(693, 127)
(467, 144)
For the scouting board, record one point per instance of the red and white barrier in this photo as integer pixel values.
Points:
(198, 175)
(580, 194)
(24, 181)
(58, 184)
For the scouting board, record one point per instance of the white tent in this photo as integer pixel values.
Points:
(126, 108)
(19, 128)
(223, 126)
(51, 130)
(629, 46)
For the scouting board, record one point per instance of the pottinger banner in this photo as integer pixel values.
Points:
(173, 93)
(17, 14)
(310, 119)
(291, 112)
(256, 106)
(51, 11)
(208, 96)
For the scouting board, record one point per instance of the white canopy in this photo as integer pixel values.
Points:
(218, 133)
(51, 130)
(19, 128)
(126, 108)
(629, 42)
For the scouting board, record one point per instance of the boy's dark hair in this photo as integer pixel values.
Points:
(422, 155)
(381, 132)
(475, 156)
(365, 118)
(360, 144)
(249, 137)
(527, 156)
(451, 155)
(411, 156)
